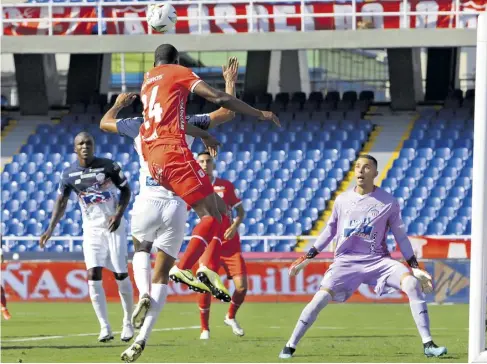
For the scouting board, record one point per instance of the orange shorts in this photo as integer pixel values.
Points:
(233, 264)
(174, 168)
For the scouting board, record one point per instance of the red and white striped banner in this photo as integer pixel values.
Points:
(271, 17)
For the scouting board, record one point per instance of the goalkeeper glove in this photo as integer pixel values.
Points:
(424, 278)
(300, 263)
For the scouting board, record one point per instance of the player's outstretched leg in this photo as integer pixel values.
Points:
(207, 273)
(141, 265)
(5, 313)
(307, 318)
(126, 293)
(237, 300)
(204, 304)
(99, 302)
(411, 287)
(158, 295)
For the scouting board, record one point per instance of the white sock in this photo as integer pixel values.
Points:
(142, 272)
(308, 316)
(419, 309)
(127, 298)
(158, 297)
(99, 301)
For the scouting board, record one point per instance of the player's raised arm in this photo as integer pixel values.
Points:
(399, 231)
(321, 242)
(108, 122)
(118, 178)
(230, 73)
(232, 103)
(57, 213)
(210, 142)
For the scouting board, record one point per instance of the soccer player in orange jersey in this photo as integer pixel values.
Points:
(231, 256)
(171, 163)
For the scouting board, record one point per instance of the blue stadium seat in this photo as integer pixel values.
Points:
(270, 194)
(331, 154)
(434, 202)
(257, 229)
(283, 174)
(252, 194)
(417, 228)
(438, 163)
(264, 174)
(451, 172)
(421, 192)
(330, 183)
(446, 182)
(462, 153)
(415, 202)
(408, 153)
(390, 183)
(429, 183)
(455, 228)
(278, 155)
(273, 165)
(281, 203)
(453, 202)
(409, 182)
(401, 163)
(414, 173)
(306, 193)
(435, 228)
(34, 229)
(439, 192)
(458, 192)
(426, 153)
(325, 164)
(277, 184)
(287, 193)
(299, 203)
(456, 162)
(465, 211)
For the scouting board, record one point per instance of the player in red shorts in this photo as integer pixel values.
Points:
(231, 258)
(164, 94)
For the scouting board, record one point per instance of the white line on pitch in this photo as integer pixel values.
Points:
(90, 334)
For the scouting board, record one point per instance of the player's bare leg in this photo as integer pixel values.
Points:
(5, 313)
(237, 299)
(206, 235)
(306, 319)
(158, 295)
(99, 302)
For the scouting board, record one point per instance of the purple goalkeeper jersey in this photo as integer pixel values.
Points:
(360, 224)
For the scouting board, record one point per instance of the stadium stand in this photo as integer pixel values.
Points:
(432, 175)
(284, 185)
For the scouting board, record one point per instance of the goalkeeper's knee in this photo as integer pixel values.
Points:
(411, 287)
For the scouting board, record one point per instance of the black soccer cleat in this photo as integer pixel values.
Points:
(287, 352)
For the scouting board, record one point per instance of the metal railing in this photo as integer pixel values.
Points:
(199, 13)
(267, 239)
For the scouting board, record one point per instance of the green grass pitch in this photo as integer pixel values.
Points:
(343, 333)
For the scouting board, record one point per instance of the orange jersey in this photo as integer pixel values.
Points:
(226, 190)
(164, 94)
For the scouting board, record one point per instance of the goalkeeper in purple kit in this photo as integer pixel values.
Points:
(360, 221)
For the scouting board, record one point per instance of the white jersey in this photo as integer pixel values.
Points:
(149, 187)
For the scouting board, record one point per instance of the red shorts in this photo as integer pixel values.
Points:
(233, 264)
(175, 169)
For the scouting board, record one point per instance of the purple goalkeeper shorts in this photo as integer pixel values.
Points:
(346, 274)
